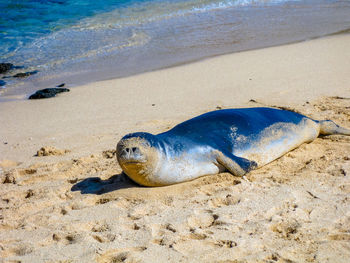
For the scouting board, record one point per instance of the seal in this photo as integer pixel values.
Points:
(233, 140)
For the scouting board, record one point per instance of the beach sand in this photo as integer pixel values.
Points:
(71, 203)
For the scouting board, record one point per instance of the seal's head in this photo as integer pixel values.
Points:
(138, 155)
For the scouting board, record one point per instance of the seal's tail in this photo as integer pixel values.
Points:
(329, 127)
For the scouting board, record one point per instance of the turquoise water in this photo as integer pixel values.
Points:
(78, 41)
(22, 22)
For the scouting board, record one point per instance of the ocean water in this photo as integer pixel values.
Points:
(79, 41)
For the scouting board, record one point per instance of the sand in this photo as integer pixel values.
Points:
(64, 199)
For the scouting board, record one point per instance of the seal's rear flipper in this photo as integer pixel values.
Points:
(235, 165)
(329, 127)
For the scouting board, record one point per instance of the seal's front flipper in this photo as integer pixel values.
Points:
(236, 165)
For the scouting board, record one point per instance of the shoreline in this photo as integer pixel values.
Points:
(75, 204)
(17, 93)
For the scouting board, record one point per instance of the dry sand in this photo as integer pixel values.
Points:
(63, 198)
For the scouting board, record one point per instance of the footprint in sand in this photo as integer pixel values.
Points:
(201, 219)
(225, 200)
(65, 238)
(120, 255)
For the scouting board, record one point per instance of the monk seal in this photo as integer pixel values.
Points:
(233, 140)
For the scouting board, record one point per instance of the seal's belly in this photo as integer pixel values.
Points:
(190, 165)
(276, 140)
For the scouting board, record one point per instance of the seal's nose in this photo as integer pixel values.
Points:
(131, 151)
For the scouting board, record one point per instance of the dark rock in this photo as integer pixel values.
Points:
(4, 67)
(61, 85)
(21, 75)
(2, 83)
(25, 74)
(47, 93)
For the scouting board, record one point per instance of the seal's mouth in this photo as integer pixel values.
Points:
(133, 161)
